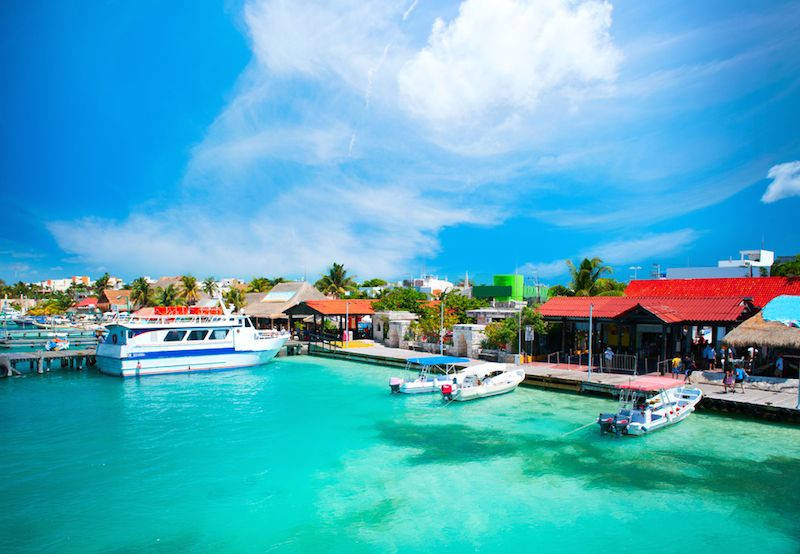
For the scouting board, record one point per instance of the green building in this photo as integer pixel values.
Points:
(505, 288)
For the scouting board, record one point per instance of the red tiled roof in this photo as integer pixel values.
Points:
(760, 289)
(676, 310)
(86, 302)
(341, 307)
(668, 310)
(578, 306)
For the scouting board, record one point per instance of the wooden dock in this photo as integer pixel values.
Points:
(43, 361)
(770, 399)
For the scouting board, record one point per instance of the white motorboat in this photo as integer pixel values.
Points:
(646, 406)
(494, 380)
(185, 343)
(59, 342)
(434, 371)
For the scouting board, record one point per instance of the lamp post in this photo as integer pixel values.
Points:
(346, 323)
(441, 326)
(591, 312)
(635, 269)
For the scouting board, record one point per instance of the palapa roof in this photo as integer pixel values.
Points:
(757, 332)
(281, 297)
(115, 297)
(760, 289)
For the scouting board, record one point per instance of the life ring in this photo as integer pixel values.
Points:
(114, 339)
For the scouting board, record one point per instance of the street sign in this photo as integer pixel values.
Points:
(529, 333)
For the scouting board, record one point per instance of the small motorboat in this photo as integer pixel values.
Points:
(496, 381)
(59, 342)
(643, 410)
(434, 371)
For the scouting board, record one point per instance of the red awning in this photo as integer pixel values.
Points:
(651, 384)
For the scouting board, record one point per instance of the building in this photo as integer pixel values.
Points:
(112, 300)
(508, 288)
(62, 285)
(345, 314)
(430, 285)
(751, 263)
(268, 310)
(759, 290)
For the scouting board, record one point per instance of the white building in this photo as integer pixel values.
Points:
(61, 285)
(751, 263)
(430, 285)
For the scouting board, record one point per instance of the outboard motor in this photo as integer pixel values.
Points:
(613, 423)
(447, 391)
(394, 384)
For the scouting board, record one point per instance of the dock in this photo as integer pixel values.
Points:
(43, 361)
(764, 398)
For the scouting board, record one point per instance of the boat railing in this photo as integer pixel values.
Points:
(172, 319)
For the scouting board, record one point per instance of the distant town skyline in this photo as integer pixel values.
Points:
(254, 138)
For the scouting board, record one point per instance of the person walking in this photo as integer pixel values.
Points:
(689, 367)
(779, 366)
(739, 375)
(677, 366)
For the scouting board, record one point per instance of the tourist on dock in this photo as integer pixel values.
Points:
(752, 352)
(689, 367)
(677, 366)
(608, 354)
(779, 366)
(739, 375)
(710, 357)
(727, 381)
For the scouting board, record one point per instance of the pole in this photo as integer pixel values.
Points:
(347, 323)
(591, 312)
(441, 327)
(519, 335)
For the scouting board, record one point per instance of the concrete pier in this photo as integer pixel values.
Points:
(41, 361)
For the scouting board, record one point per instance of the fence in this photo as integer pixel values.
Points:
(620, 363)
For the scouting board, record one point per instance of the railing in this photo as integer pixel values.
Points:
(620, 363)
(325, 341)
(556, 355)
(664, 367)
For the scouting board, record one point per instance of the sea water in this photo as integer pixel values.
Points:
(312, 455)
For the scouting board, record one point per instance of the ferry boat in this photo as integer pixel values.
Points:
(185, 343)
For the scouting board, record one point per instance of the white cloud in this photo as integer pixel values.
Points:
(643, 249)
(785, 182)
(496, 60)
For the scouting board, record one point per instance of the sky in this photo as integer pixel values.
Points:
(267, 137)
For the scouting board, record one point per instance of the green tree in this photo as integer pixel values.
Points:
(501, 334)
(141, 293)
(559, 290)
(259, 284)
(458, 305)
(236, 298)
(401, 299)
(429, 324)
(336, 282)
(210, 286)
(606, 286)
(168, 296)
(101, 284)
(190, 289)
(374, 283)
(786, 269)
(585, 276)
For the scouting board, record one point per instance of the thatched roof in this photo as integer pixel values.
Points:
(757, 332)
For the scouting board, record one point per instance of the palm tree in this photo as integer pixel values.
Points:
(141, 294)
(169, 296)
(585, 276)
(259, 284)
(236, 298)
(190, 289)
(101, 284)
(336, 282)
(210, 286)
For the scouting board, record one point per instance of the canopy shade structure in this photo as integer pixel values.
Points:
(650, 384)
(438, 360)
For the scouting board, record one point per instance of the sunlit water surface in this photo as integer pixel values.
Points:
(315, 455)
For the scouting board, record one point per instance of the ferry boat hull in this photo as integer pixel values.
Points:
(140, 366)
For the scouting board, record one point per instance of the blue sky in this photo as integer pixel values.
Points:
(272, 138)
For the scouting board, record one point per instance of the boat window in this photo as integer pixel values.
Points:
(218, 334)
(197, 334)
(247, 322)
(130, 334)
(175, 336)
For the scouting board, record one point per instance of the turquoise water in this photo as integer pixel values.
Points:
(314, 455)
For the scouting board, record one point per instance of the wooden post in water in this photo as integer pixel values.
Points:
(40, 364)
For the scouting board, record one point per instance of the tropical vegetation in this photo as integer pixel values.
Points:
(210, 286)
(336, 282)
(505, 334)
(263, 284)
(141, 292)
(101, 284)
(168, 296)
(587, 280)
(786, 269)
(236, 298)
(190, 289)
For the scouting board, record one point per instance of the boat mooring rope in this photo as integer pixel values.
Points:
(579, 428)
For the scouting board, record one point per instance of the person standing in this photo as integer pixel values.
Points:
(779, 366)
(677, 366)
(727, 381)
(689, 366)
(710, 357)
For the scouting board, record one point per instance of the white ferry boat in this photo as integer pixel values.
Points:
(181, 344)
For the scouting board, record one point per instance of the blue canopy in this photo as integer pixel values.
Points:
(438, 360)
(785, 309)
